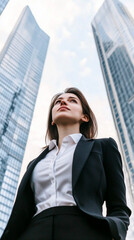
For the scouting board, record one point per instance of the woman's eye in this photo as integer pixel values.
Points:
(56, 102)
(73, 100)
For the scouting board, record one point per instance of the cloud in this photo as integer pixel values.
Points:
(86, 72)
(89, 7)
(83, 61)
(83, 44)
(69, 53)
(54, 14)
(66, 33)
(96, 5)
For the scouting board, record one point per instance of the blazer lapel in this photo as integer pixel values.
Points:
(81, 154)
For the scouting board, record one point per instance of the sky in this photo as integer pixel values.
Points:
(71, 61)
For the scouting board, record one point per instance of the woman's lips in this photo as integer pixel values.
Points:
(63, 108)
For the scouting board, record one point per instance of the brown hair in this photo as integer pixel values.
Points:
(88, 129)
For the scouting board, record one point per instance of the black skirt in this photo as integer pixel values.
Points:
(66, 223)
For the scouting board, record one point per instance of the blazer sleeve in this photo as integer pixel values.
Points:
(117, 211)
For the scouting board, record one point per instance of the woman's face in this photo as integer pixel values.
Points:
(67, 109)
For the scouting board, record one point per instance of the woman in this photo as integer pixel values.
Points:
(62, 192)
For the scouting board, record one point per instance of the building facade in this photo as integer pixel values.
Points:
(3, 4)
(113, 29)
(21, 65)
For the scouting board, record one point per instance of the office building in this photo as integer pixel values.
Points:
(113, 29)
(21, 65)
(3, 4)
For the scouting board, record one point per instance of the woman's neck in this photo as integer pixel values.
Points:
(64, 131)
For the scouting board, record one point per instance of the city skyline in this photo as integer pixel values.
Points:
(21, 64)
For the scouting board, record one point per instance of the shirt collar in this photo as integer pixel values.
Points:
(74, 138)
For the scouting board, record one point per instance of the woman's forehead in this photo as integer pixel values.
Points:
(67, 95)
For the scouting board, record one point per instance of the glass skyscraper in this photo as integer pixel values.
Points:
(21, 64)
(113, 29)
(3, 4)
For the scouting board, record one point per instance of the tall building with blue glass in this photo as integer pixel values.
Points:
(3, 4)
(21, 65)
(113, 29)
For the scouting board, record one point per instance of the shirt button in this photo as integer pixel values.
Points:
(52, 180)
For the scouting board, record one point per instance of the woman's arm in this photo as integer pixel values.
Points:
(117, 211)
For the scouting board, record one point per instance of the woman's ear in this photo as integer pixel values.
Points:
(85, 118)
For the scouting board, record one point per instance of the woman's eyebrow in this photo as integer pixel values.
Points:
(67, 98)
(74, 97)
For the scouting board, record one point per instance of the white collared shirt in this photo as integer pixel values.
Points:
(52, 177)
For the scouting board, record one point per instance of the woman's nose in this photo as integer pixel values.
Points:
(63, 102)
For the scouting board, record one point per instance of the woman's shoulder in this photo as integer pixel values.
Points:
(106, 142)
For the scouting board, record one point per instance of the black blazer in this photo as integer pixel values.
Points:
(96, 177)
